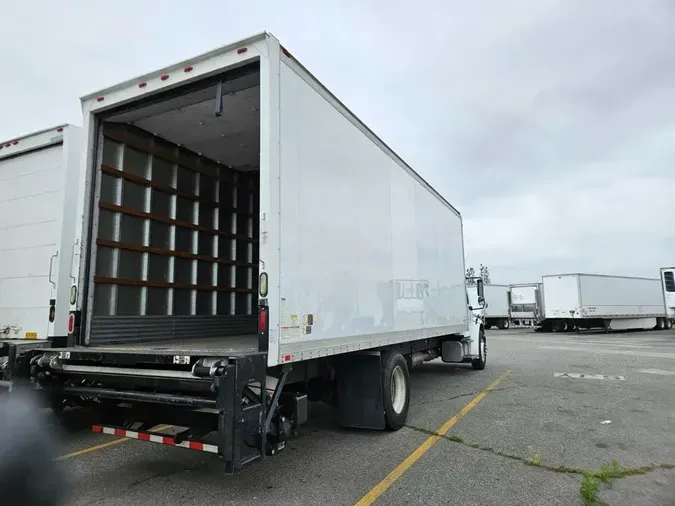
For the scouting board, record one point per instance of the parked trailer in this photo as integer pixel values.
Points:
(526, 304)
(497, 305)
(36, 240)
(668, 285)
(249, 245)
(582, 301)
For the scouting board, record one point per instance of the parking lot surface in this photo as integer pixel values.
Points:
(561, 406)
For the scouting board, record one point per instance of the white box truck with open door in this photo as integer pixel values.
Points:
(38, 172)
(526, 304)
(583, 301)
(248, 244)
(668, 285)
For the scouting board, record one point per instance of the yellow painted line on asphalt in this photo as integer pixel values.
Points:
(380, 488)
(103, 445)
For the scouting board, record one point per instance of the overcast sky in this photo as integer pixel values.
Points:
(549, 124)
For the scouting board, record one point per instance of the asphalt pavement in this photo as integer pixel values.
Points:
(563, 406)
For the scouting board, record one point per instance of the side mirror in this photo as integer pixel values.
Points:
(480, 289)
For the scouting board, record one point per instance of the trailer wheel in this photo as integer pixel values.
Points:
(396, 390)
(559, 326)
(480, 363)
(669, 324)
(504, 324)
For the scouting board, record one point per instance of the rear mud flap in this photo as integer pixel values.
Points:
(359, 391)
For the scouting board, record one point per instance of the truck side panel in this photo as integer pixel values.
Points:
(523, 302)
(35, 209)
(497, 298)
(369, 255)
(614, 296)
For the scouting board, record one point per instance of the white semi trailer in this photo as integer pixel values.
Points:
(582, 301)
(247, 245)
(668, 285)
(526, 304)
(37, 240)
(497, 306)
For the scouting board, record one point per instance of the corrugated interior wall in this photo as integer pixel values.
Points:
(177, 243)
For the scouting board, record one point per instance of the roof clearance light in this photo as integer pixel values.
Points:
(285, 51)
(242, 50)
(188, 69)
(8, 144)
(60, 129)
(164, 77)
(100, 99)
(14, 143)
(142, 85)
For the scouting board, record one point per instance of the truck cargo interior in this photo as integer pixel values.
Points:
(177, 235)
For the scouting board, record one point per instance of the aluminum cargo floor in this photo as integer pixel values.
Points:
(211, 346)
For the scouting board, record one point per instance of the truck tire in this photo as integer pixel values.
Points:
(480, 363)
(660, 324)
(669, 324)
(396, 390)
(504, 324)
(559, 326)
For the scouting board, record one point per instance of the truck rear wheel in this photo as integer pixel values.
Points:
(660, 324)
(396, 390)
(480, 363)
(504, 324)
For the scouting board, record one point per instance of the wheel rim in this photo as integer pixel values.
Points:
(398, 392)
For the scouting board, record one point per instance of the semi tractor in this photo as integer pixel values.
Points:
(247, 245)
(584, 301)
(37, 240)
(526, 304)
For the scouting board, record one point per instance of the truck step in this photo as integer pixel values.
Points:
(155, 438)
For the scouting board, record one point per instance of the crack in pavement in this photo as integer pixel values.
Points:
(469, 394)
(606, 474)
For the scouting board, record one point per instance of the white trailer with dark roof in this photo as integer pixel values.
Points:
(38, 175)
(248, 245)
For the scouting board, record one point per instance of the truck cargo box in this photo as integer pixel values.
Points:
(38, 180)
(526, 303)
(257, 171)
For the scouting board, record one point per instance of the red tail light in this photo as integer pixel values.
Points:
(262, 320)
(71, 323)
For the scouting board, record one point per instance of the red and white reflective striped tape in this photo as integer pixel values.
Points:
(156, 438)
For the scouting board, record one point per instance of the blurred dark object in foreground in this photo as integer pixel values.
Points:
(28, 474)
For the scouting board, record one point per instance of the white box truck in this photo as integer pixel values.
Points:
(526, 304)
(249, 245)
(668, 286)
(37, 237)
(496, 310)
(582, 301)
